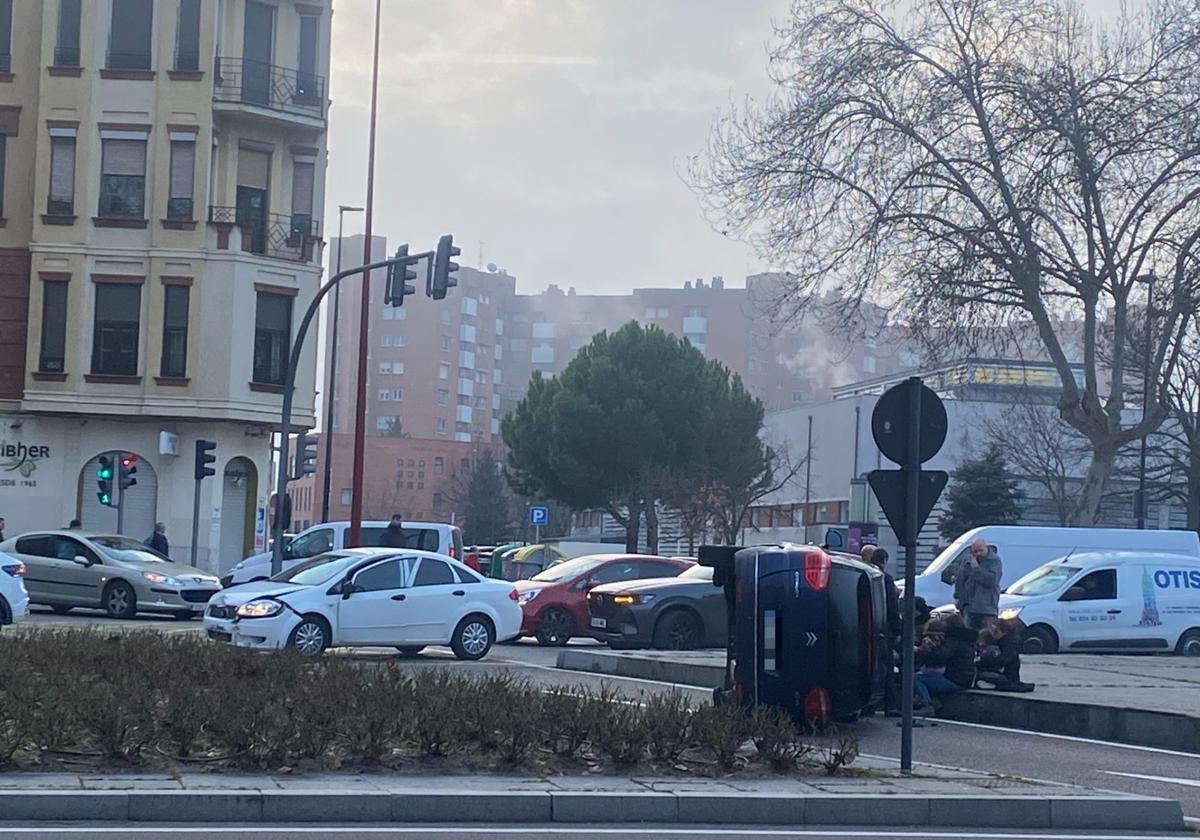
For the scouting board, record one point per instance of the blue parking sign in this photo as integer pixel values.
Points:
(539, 515)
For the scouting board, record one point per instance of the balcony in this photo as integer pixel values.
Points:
(242, 81)
(268, 234)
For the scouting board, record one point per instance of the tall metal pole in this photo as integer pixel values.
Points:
(331, 385)
(195, 521)
(912, 468)
(364, 323)
(1141, 492)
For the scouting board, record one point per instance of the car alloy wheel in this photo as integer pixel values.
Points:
(475, 638)
(678, 632)
(554, 627)
(309, 638)
(119, 600)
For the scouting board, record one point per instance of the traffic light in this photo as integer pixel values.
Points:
(306, 456)
(443, 277)
(398, 277)
(204, 457)
(104, 474)
(128, 470)
(287, 512)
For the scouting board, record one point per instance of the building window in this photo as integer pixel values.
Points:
(303, 175)
(3, 166)
(395, 313)
(443, 371)
(391, 341)
(183, 175)
(129, 35)
(61, 201)
(115, 338)
(52, 358)
(272, 337)
(443, 396)
(123, 175)
(469, 306)
(346, 496)
(441, 425)
(187, 37)
(439, 465)
(391, 395)
(66, 47)
(5, 36)
(175, 330)
(307, 86)
(445, 343)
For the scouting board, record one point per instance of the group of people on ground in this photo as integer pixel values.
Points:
(963, 649)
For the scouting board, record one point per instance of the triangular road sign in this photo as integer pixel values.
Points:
(891, 489)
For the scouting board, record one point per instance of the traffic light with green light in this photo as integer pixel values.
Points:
(104, 474)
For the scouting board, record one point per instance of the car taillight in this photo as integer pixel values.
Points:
(16, 571)
(816, 570)
(513, 595)
(816, 707)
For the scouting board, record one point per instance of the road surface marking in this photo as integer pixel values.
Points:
(1076, 739)
(1170, 780)
(633, 830)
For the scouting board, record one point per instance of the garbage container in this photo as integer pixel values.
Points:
(807, 630)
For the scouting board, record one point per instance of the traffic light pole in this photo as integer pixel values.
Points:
(195, 520)
(120, 492)
(289, 387)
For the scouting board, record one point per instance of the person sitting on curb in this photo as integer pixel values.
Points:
(946, 661)
(999, 661)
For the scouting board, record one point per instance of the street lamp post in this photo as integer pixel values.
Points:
(331, 384)
(1149, 327)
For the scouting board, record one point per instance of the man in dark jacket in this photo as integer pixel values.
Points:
(977, 586)
(1000, 662)
(158, 540)
(947, 664)
(393, 535)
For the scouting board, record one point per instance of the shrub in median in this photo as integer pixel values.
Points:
(128, 699)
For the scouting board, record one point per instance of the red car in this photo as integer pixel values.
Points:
(555, 600)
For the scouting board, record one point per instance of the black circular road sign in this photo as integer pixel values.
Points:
(890, 421)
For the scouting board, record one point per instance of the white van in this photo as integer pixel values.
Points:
(1109, 601)
(1022, 548)
(329, 536)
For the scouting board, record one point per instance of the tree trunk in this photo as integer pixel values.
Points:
(1087, 507)
(652, 528)
(633, 525)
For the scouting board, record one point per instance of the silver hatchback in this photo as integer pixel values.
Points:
(67, 569)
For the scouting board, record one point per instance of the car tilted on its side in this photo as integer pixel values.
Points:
(369, 597)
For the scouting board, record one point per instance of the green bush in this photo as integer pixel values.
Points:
(143, 698)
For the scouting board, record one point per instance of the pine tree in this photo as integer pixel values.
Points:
(982, 492)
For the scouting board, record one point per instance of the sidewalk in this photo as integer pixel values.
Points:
(931, 797)
(1145, 700)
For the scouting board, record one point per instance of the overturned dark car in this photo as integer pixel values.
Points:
(679, 613)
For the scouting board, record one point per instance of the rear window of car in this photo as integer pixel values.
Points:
(466, 575)
(424, 539)
(35, 546)
(433, 572)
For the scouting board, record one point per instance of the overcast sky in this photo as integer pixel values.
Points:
(553, 131)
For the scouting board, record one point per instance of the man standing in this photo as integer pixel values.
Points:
(158, 540)
(977, 586)
(393, 534)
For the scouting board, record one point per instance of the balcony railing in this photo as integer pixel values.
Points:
(249, 82)
(270, 234)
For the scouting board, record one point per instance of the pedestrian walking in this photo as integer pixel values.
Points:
(977, 585)
(158, 540)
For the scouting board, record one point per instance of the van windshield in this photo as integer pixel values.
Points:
(949, 553)
(1043, 581)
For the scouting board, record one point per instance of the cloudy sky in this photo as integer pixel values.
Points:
(552, 131)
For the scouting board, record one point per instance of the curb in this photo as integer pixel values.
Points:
(529, 807)
(1164, 730)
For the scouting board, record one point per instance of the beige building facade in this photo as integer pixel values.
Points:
(163, 174)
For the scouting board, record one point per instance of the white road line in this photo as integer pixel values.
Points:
(1076, 739)
(1170, 780)
(467, 828)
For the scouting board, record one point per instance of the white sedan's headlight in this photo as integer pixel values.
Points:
(261, 608)
(155, 577)
(527, 596)
(1010, 612)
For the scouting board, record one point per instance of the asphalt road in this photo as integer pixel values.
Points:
(1095, 764)
(103, 832)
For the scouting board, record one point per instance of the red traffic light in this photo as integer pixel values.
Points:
(129, 460)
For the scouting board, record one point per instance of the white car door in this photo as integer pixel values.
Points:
(1092, 611)
(435, 602)
(374, 613)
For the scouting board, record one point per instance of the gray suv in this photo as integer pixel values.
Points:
(67, 569)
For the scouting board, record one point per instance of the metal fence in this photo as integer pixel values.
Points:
(251, 82)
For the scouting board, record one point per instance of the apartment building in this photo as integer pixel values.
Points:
(161, 172)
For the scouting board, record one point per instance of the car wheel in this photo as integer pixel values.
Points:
(473, 638)
(410, 651)
(554, 627)
(1040, 639)
(61, 609)
(310, 637)
(120, 600)
(678, 630)
(1189, 643)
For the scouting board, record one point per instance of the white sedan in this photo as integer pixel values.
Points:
(368, 597)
